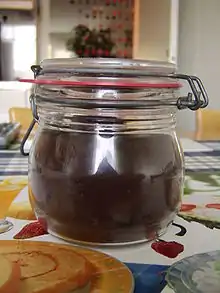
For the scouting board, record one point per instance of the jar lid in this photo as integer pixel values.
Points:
(107, 65)
(105, 72)
(118, 73)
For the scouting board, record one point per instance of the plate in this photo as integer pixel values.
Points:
(199, 273)
(108, 275)
(112, 275)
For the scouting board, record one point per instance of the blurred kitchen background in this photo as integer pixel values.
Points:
(185, 32)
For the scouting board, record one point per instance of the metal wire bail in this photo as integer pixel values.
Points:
(194, 100)
(30, 128)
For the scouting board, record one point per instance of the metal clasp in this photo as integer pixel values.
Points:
(195, 100)
(36, 70)
(30, 128)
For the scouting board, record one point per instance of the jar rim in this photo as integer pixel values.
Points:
(121, 65)
(106, 72)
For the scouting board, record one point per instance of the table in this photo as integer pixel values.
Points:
(199, 157)
(195, 135)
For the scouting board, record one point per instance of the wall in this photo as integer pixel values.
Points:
(199, 50)
(43, 30)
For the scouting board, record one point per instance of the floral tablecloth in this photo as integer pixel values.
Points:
(200, 215)
(201, 201)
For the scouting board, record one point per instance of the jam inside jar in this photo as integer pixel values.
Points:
(106, 166)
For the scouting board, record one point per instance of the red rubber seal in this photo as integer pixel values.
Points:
(174, 85)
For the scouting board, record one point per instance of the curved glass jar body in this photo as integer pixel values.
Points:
(105, 175)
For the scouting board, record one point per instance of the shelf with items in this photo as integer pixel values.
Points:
(100, 17)
(141, 29)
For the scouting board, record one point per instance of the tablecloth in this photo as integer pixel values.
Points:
(147, 266)
(13, 163)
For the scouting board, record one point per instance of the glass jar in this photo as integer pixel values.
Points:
(106, 166)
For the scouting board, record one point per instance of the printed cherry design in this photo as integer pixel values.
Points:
(169, 249)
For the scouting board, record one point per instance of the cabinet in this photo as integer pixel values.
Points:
(155, 28)
(17, 4)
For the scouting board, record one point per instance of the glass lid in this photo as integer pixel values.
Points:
(118, 74)
(108, 65)
(109, 72)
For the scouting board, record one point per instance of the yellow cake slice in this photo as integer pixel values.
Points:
(9, 276)
(47, 268)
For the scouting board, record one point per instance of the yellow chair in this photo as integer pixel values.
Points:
(23, 116)
(207, 124)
